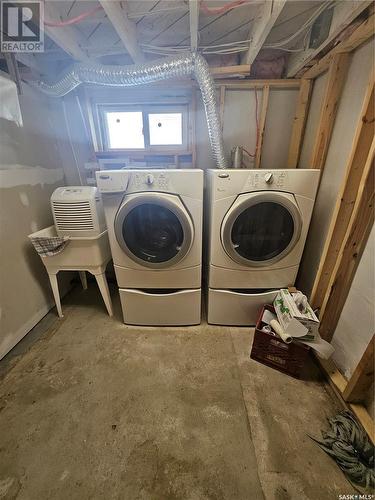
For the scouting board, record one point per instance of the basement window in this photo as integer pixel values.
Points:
(144, 128)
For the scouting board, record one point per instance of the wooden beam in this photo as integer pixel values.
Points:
(351, 251)
(194, 24)
(125, 28)
(226, 71)
(267, 14)
(357, 38)
(344, 13)
(363, 376)
(346, 198)
(338, 383)
(67, 37)
(299, 123)
(334, 86)
(262, 123)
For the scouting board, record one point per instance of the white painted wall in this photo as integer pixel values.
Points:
(357, 321)
(240, 126)
(30, 169)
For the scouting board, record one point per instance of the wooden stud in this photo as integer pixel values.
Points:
(125, 28)
(262, 123)
(346, 197)
(357, 38)
(351, 251)
(222, 106)
(334, 86)
(299, 123)
(268, 12)
(363, 376)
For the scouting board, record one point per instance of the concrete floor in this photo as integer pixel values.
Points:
(93, 409)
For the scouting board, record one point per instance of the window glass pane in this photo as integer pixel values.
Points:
(125, 130)
(262, 231)
(165, 129)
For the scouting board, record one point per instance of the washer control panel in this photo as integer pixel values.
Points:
(267, 180)
(155, 180)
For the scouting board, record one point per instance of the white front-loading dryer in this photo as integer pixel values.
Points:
(257, 226)
(154, 220)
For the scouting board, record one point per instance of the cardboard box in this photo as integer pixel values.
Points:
(303, 325)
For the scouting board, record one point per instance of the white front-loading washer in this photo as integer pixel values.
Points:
(257, 226)
(154, 220)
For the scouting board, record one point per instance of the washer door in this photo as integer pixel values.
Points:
(261, 228)
(154, 229)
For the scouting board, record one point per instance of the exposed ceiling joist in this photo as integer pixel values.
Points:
(267, 14)
(66, 37)
(194, 23)
(125, 28)
(344, 13)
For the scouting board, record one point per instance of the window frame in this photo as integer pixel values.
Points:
(145, 109)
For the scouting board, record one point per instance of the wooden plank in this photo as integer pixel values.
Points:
(344, 13)
(346, 198)
(363, 376)
(357, 38)
(226, 71)
(338, 383)
(222, 106)
(67, 37)
(334, 86)
(351, 251)
(194, 22)
(267, 14)
(262, 123)
(299, 123)
(125, 28)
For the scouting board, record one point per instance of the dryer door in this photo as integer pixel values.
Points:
(154, 229)
(261, 228)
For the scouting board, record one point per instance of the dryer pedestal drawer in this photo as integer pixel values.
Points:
(229, 307)
(166, 308)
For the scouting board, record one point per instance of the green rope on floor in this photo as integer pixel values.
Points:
(348, 444)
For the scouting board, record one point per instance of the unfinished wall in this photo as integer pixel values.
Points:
(357, 321)
(30, 169)
(239, 118)
(339, 150)
(240, 126)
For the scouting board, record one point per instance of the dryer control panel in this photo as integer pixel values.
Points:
(267, 180)
(150, 180)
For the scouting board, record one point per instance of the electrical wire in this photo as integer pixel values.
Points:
(214, 11)
(280, 44)
(73, 20)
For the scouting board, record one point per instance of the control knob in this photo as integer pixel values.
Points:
(149, 179)
(268, 178)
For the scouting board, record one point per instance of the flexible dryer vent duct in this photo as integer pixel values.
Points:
(126, 76)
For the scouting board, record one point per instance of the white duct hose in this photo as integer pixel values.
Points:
(127, 76)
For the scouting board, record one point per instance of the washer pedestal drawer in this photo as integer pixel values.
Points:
(229, 307)
(161, 308)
